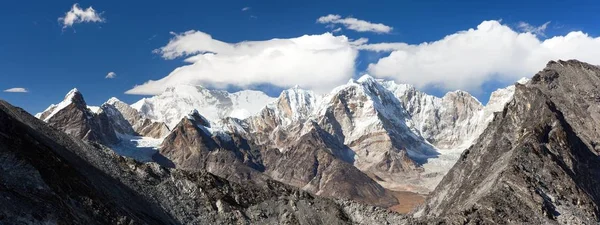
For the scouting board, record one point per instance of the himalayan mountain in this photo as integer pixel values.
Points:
(368, 152)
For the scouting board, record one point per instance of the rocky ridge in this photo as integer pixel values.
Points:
(540, 153)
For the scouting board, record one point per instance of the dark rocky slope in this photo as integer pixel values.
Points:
(537, 162)
(48, 177)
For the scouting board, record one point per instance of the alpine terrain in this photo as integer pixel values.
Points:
(369, 140)
(194, 156)
(538, 161)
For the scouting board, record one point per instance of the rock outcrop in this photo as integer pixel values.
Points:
(141, 125)
(537, 163)
(73, 117)
(312, 162)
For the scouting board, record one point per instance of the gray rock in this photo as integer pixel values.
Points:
(535, 163)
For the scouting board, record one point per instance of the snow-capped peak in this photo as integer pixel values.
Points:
(523, 80)
(112, 101)
(173, 104)
(365, 78)
(295, 104)
(72, 97)
(72, 93)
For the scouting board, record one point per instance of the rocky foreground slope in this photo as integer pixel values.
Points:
(538, 161)
(49, 177)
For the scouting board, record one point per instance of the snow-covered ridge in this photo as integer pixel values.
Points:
(176, 102)
(53, 109)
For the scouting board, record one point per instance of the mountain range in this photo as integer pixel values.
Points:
(194, 155)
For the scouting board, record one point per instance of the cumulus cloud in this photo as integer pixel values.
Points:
(16, 90)
(383, 47)
(355, 24)
(318, 62)
(492, 51)
(526, 27)
(79, 15)
(111, 75)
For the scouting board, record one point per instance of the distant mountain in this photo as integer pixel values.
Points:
(49, 177)
(367, 138)
(73, 117)
(139, 123)
(538, 161)
(173, 104)
(532, 155)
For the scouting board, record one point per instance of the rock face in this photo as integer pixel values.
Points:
(453, 121)
(310, 164)
(194, 146)
(73, 117)
(537, 162)
(141, 125)
(50, 177)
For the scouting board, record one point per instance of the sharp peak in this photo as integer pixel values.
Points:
(74, 94)
(459, 93)
(113, 100)
(365, 78)
(296, 88)
(197, 118)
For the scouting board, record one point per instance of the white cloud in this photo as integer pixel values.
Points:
(318, 62)
(467, 59)
(16, 90)
(525, 27)
(336, 30)
(355, 24)
(111, 75)
(359, 42)
(383, 47)
(246, 8)
(79, 15)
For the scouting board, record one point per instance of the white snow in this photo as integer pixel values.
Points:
(94, 109)
(137, 147)
(436, 168)
(60, 106)
(173, 104)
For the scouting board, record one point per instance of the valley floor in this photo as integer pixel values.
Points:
(412, 192)
(407, 201)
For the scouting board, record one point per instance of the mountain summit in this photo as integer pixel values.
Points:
(541, 153)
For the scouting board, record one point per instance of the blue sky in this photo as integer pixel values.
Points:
(36, 53)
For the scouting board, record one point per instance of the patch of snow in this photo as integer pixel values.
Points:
(94, 109)
(60, 106)
(523, 80)
(436, 168)
(139, 148)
